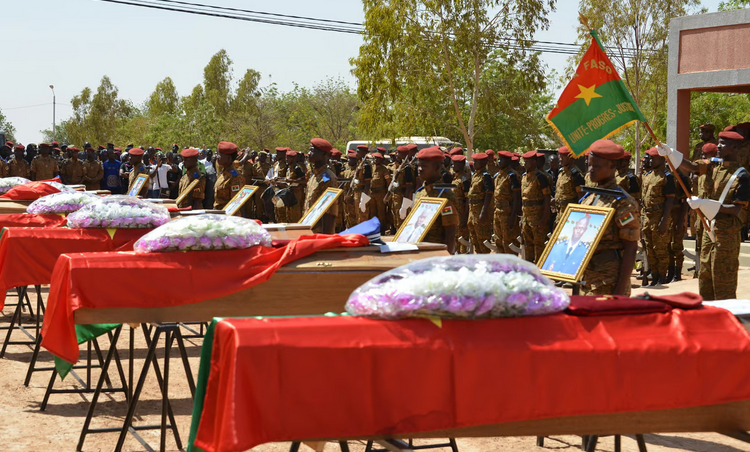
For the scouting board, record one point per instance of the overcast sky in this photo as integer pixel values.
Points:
(71, 44)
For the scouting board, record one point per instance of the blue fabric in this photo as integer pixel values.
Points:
(367, 228)
(111, 177)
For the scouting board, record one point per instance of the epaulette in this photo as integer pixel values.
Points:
(234, 172)
(325, 177)
(617, 193)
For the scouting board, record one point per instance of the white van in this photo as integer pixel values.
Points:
(421, 142)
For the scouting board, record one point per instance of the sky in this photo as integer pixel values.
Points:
(72, 44)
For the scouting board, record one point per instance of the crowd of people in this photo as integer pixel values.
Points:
(501, 201)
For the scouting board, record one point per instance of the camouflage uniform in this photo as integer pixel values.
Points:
(259, 170)
(93, 173)
(404, 178)
(492, 168)
(279, 209)
(603, 270)
(629, 182)
(720, 259)
(698, 149)
(363, 173)
(228, 184)
(348, 200)
(19, 168)
(587, 180)
(4, 168)
(676, 246)
(481, 184)
(658, 185)
(199, 192)
(507, 184)
(568, 188)
(133, 176)
(321, 179)
(448, 216)
(295, 173)
(71, 172)
(381, 178)
(534, 187)
(462, 185)
(44, 167)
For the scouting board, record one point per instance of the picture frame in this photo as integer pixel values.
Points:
(321, 205)
(571, 245)
(138, 185)
(187, 191)
(239, 200)
(419, 221)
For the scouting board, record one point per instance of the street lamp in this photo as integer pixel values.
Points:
(54, 132)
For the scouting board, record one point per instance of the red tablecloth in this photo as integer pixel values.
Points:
(29, 220)
(30, 191)
(28, 255)
(110, 280)
(282, 379)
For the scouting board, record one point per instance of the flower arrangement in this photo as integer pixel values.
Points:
(119, 212)
(58, 185)
(203, 233)
(6, 183)
(63, 202)
(466, 286)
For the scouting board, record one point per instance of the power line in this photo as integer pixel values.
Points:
(34, 106)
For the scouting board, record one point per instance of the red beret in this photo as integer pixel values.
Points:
(155, 149)
(505, 154)
(291, 153)
(710, 127)
(110, 144)
(402, 149)
(189, 152)
(653, 152)
(456, 151)
(56, 149)
(489, 152)
(281, 149)
(19, 146)
(55, 143)
(412, 147)
(351, 153)
(43, 145)
(730, 128)
(321, 144)
(731, 136)
(563, 150)
(458, 158)
(363, 147)
(515, 157)
(529, 155)
(100, 147)
(625, 155)
(336, 154)
(607, 149)
(226, 147)
(479, 156)
(430, 154)
(73, 148)
(9, 144)
(710, 149)
(377, 155)
(540, 154)
(381, 149)
(266, 150)
(136, 151)
(116, 149)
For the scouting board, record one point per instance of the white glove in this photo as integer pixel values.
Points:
(709, 207)
(671, 154)
(363, 202)
(405, 206)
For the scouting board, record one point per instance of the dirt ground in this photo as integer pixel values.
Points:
(25, 428)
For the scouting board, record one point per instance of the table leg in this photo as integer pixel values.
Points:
(641, 443)
(591, 443)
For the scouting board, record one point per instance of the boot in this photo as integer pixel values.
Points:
(655, 279)
(677, 273)
(670, 274)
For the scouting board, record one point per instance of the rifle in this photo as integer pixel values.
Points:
(360, 165)
(392, 186)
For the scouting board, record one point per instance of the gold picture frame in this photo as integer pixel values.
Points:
(187, 191)
(239, 200)
(321, 205)
(419, 221)
(563, 260)
(138, 185)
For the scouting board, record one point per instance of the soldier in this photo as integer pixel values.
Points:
(322, 178)
(536, 197)
(727, 190)
(462, 185)
(707, 136)
(679, 213)
(349, 203)
(18, 167)
(335, 162)
(402, 185)
(43, 166)
(193, 199)
(230, 181)
(709, 151)
(491, 165)
(608, 271)
(361, 181)
(280, 168)
(4, 154)
(569, 182)
(479, 198)
(507, 204)
(93, 171)
(443, 230)
(381, 179)
(627, 179)
(297, 179)
(658, 198)
(136, 160)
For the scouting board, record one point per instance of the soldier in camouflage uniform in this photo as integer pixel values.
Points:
(569, 182)
(480, 204)
(296, 178)
(627, 179)
(229, 182)
(658, 198)
(349, 203)
(706, 136)
(536, 197)
(136, 159)
(381, 179)
(443, 230)
(507, 196)
(403, 186)
(462, 185)
(361, 181)
(679, 213)
(17, 166)
(260, 170)
(93, 171)
(43, 166)
(709, 151)
(491, 162)
(717, 279)
(321, 179)
(71, 171)
(608, 271)
(195, 198)
(280, 167)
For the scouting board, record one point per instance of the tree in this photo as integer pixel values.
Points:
(733, 4)
(98, 117)
(719, 109)
(422, 64)
(7, 128)
(217, 79)
(164, 99)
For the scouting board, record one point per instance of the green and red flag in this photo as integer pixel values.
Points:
(595, 104)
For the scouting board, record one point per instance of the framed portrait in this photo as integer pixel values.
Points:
(187, 191)
(574, 241)
(239, 200)
(138, 185)
(320, 207)
(421, 218)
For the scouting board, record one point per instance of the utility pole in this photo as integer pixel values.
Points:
(54, 123)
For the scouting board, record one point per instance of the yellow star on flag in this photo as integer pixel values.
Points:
(587, 93)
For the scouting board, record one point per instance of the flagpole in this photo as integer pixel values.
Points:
(677, 176)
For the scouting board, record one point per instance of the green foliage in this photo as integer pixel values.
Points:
(731, 5)
(432, 67)
(7, 128)
(719, 109)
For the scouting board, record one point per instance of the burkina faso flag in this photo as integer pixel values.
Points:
(595, 104)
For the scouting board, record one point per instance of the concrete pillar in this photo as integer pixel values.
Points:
(682, 137)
